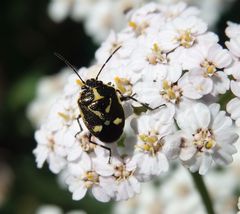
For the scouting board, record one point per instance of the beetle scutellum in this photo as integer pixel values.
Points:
(101, 107)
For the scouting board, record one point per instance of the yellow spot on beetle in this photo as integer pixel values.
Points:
(117, 121)
(97, 113)
(97, 96)
(107, 109)
(97, 128)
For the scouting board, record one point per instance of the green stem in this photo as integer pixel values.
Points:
(200, 185)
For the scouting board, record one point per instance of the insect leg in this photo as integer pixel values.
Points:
(146, 105)
(104, 147)
(81, 129)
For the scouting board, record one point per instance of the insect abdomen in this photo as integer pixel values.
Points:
(104, 118)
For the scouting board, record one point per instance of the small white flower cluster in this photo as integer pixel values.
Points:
(233, 33)
(48, 90)
(53, 209)
(176, 193)
(100, 17)
(170, 61)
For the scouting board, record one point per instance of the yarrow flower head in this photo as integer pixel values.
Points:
(100, 17)
(164, 68)
(233, 33)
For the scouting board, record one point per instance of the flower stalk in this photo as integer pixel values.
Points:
(202, 189)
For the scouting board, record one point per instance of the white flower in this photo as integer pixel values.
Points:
(100, 22)
(122, 78)
(165, 59)
(153, 145)
(58, 10)
(152, 60)
(83, 176)
(125, 179)
(62, 114)
(81, 9)
(179, 194)
(194, 85)
(222, 197)
(232, 30)
(140, 25)
(182, 32)
(210, 57)
(49, 209)
(180, 9)
(82, 144)
(53, 209)
(233, 110)
(48, 150)
(142, 203)
(234, 46)
(114, 41)
(47, 92)
(209, 137)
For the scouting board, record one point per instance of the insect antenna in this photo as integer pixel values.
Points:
(107, 61)
(69, 65)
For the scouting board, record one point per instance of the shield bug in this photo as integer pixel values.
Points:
(101, 107)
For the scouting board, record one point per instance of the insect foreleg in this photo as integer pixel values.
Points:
(104, 147)
(81, 129)
(146, 105)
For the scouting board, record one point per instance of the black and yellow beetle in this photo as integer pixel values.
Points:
(101, 107)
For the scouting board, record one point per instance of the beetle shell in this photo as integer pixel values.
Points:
(101, 111)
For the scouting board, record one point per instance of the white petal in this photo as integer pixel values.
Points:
(235, 87)
(202, 114)
(135, 184)
(171, 147)
(41, 153)
(214, 109)
(233, 108)
(102, 167)
(56, 163)
(74, 152)
(100, 194)
(205, 164)
(163, 164)
(79, 193)
(219, 56)
(221, 83)
(187, 153)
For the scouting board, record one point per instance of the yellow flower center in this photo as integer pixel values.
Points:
(121, 172)
(123, 85)
(186, 39)
(138, 28)
(204, 139)
(156, 56)
(64, 116)
(209, 67)
(90, 178)
(171, 92)
(85, 144)
(151, 143)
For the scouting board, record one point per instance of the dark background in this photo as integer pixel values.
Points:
(28, 39)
